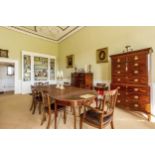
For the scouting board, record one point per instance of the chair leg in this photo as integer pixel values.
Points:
(34, 108)
(65, 115)
(112, 124)
(81, 122)
(49, 121)
(80, 108)
(40, 107)
(74, 115)
(43, 118)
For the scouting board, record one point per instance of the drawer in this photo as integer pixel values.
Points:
(120, 87)
(118, 71)
(137, 69)
(138, 99)
(138, 90)
(138, 57)
(140, 107)
(137, 79)
(118, 79)
(118, 60)
(81, 75)
(120, 101)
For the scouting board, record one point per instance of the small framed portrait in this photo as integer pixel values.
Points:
(4, 53)
(70, 61)
(102, 55)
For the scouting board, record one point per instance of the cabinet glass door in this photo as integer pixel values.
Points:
(52, 69)
(27, 68)
(40, 69)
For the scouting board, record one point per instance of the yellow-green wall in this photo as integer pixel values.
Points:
(15, 42)
(84, 43)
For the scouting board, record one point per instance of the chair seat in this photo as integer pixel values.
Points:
(93, 117)
(59, 107)
(39, 98)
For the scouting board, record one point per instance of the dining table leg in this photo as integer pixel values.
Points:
(74, 113)
(55, 115)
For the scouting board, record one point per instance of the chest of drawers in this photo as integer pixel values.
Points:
(82, 80)
(131, 74)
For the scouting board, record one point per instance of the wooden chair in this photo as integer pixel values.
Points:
(103, 115)
(49, 108)
(36, 100)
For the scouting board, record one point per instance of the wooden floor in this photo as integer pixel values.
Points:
(15, 114)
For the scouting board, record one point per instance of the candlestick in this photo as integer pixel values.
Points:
(58, 78)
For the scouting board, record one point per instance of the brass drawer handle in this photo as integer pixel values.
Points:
(118, 60)
(118, 66)
(118, 72)
(136, 57)
(136, 89)
(136, 71)
(136, 80)
(136, 97)
(136, 105)
(119, 94)
(118, 101)
(136, 64)
(118, 79)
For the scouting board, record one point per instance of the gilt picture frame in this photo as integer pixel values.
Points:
(102, 55)
(70, 61)
(4, 53)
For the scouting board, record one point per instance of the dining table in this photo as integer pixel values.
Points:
(70, 96)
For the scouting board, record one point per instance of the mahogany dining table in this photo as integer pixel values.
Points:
(70, 96)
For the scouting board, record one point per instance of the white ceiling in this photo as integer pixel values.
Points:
(52, 33)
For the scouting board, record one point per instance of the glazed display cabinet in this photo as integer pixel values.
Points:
(37, 67)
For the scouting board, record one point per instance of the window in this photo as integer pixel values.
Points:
(10, 70)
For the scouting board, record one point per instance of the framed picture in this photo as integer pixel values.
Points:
(102, 55)
(70, 61)
(4, 53)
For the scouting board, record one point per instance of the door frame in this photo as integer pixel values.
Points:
(16, 81)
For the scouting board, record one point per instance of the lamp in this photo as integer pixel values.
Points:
(58, 78)
(61, 80)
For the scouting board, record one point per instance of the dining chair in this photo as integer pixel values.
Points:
(49, 108)
(36, 100)
(103, 115)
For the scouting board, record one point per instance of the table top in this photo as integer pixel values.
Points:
(69, 93)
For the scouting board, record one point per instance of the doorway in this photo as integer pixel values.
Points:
(9, 76)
